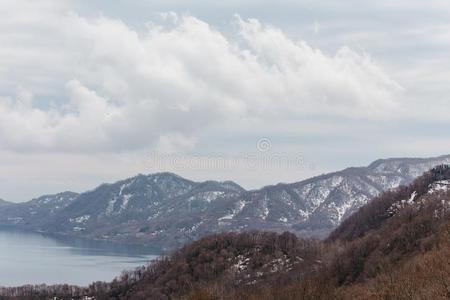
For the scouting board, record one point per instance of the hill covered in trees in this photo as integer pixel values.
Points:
(395, 247)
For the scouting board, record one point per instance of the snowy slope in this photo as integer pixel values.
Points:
(166, 210)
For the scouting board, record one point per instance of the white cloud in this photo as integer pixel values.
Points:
(119, 89)
(172, 143)
(86, 97)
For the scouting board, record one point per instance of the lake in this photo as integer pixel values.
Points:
(32, 258)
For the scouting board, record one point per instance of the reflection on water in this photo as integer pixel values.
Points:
(29, 258)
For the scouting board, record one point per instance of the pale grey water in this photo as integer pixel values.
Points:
(32, 258)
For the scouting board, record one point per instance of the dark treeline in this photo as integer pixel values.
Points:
(227, 260)
(396, 247)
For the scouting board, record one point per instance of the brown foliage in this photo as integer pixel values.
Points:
(374, 254)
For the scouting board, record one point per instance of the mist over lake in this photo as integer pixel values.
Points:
(32, 258)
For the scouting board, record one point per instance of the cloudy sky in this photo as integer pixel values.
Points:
(254, 91)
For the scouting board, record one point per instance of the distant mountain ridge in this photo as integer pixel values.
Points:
(166, 211)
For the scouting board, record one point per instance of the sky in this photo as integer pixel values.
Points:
(258, 92)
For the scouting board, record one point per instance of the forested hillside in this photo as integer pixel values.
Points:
(396, 247)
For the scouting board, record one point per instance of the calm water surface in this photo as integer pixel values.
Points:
(31, 258)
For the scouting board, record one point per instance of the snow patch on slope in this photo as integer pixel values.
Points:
(81, 219)
(238, 208)
(439, 186)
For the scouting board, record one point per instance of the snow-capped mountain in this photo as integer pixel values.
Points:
(425, 199)
(321, 203)
(165, 210)
(36, 211)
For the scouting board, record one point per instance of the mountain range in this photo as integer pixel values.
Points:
(397, 246)
(166, 211)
